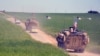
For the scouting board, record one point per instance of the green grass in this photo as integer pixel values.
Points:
(61, 21)
(15, 42)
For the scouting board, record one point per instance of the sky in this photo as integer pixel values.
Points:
(50, 6)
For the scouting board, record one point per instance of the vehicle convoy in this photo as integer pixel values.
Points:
(73, 39)
(31, 25)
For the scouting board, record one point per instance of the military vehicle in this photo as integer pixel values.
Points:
(31, 25)
(17, 21)
(74, 39)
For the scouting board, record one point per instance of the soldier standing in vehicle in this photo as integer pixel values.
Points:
(75, 24)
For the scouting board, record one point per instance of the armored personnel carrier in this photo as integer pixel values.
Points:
(31, 25)
(73, 39)
(76, 41)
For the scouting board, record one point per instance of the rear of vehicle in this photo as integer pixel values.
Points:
(34, 29)
(76, 42)
(31, 25)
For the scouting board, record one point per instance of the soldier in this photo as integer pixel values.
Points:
(75, 24)
(60, 39)
(27, 24)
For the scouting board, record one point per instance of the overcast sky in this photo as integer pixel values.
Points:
(61, 6)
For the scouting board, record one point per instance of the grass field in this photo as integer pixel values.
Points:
(62, 21)
(15, 42)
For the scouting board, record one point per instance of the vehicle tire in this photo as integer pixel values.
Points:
(76, 50)
(81, 50)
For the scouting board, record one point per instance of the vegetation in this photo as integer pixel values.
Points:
(93, 12)
(15, 42)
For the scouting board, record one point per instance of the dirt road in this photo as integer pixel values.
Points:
(45, 38)
(39, 36)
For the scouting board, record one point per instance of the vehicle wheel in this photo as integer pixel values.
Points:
(81, 50)
(76, 50)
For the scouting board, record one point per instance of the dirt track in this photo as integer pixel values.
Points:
(45, 38)
(39, 36)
